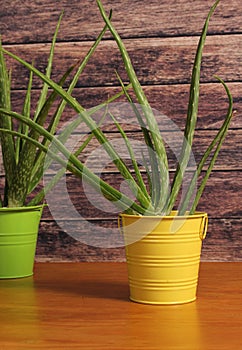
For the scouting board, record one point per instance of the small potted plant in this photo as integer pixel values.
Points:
(163, 243)
(22, 197)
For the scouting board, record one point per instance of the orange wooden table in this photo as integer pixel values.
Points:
(86, 306)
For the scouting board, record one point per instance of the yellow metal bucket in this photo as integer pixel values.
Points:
(163, 256)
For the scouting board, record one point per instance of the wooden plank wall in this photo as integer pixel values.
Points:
(161, 37)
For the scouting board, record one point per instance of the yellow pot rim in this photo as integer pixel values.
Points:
(173, 215)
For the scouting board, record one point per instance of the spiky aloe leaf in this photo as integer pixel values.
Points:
(7, 142)
(19, 144)
(63, 137)
(219, 139)
(39, 170)
(191, 115)
(153, 174)
(45, 88)
(139, 178)
(73, 164)
(124, 171)
(162, 186)
(23, 170)
(216, 143)
(37, 166)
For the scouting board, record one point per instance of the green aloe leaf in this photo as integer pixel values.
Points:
(73, 164)
(216, 143)
(66, 133)
(217, 140)
(93, 127)
(162, 186)
(153, 174)
(7, 141)
(26, 111)
(139, 178)
(19, 188)
(22, 173)
(37, 166)
(191, 114)
(37, 170)
(45, 88)
(63, 137)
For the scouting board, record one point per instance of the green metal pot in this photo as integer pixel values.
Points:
(18, 237)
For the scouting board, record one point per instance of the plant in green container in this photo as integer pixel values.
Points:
(168, 274)
(22, 196)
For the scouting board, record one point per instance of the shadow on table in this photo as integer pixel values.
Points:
(87, 288)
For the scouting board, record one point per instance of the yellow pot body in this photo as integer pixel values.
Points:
(163, 256)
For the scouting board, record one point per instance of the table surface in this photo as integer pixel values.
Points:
(86, 306)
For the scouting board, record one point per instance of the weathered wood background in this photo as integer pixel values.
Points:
(161, 37)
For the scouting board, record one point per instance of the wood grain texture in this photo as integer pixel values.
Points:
(86, 306)
(161, 38)
(36, 21)
(156, 60)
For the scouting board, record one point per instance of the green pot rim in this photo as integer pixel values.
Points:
(23, 209)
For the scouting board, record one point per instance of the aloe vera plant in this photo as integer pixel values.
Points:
(23, 153)
(157, 198)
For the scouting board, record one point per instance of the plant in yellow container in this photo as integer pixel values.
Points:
(163, 245)
(163, 242)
